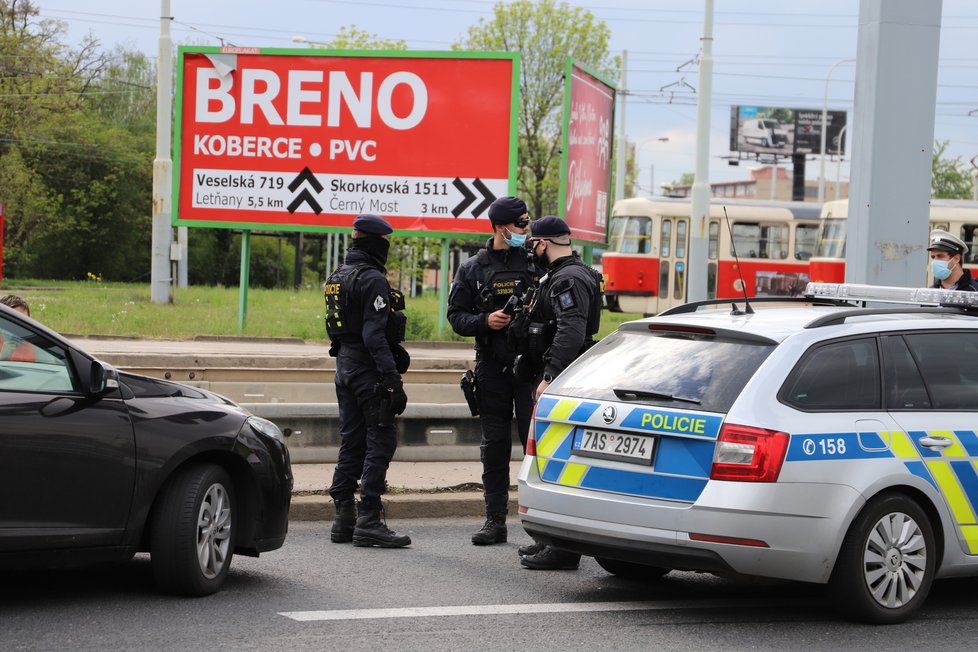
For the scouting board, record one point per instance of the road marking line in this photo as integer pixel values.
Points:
(503, 609)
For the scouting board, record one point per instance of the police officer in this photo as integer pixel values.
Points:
(563, 323)
(365, 326)
(480, 292)
(946, 262)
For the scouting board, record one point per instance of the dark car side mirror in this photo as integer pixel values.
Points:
(97, 379)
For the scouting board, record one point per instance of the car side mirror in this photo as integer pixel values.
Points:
(97, 378)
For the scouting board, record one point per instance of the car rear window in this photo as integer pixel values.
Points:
(700, 372)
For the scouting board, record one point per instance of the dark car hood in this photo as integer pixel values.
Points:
(147, 387)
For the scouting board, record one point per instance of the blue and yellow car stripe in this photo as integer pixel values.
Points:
(681, 476)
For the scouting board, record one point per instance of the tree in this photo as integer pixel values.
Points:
(950, 178)
(544, 32)
(75, 181)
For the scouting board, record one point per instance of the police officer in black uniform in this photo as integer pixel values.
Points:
(482, 288)
(947, 262)
(563, 322)
(365, 326)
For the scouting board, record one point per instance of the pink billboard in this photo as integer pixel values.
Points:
(589, 109)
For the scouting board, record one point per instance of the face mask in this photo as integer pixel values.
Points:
(515, 239)
(375, 245)
(940, 269)
(541, 258)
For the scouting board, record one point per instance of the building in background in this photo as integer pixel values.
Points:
(764, 185)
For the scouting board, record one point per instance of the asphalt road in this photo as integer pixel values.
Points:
(445, 594)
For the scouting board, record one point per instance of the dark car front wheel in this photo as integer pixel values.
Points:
(193, 532)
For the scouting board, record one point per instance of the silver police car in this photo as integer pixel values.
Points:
(829, 440)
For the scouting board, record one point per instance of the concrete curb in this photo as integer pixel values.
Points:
(398, 506)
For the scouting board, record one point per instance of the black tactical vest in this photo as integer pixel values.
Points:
(346, 325)
(499, 283)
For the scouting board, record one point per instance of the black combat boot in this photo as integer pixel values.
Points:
(494, 530)
(531, 549)
(551, 558)
(346, 520)
(371, 531)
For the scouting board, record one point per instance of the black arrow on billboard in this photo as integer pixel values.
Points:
(468, 197)
(305, 196)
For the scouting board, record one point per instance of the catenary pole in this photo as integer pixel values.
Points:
(696, 288)
(162, 165)
(622, 139)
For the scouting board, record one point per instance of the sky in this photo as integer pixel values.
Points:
(770, 53)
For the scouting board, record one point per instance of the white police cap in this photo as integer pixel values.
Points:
(943, 241)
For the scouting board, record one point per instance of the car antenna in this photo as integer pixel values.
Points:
(733, 246)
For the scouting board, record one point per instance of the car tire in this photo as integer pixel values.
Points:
(887, 562)
(192, 538)
(631, 571)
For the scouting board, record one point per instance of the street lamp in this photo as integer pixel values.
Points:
(660, 139)
(825, 114)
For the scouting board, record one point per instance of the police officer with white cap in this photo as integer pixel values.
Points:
(947, 262)
(365, 324)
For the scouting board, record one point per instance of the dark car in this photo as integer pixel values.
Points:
(97, 464)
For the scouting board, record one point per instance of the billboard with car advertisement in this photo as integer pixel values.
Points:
(783, 132)
(306, 140)
(585, 183)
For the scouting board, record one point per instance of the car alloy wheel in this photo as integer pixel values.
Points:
(895, 560)
(214, 531)
(887, 563)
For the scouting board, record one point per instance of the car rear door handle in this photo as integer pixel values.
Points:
(935, 442)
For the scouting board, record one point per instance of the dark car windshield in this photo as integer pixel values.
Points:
(699, 372)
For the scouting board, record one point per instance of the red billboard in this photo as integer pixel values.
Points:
(589, 110)
(306, 140)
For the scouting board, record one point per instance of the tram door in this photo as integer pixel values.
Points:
(673, 247)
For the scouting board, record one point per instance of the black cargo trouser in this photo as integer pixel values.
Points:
(366, 449)
(499, 394)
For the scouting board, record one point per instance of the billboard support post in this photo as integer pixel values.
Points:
(243, 279)
(825, 120)
(446, 261)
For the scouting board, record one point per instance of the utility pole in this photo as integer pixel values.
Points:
(160, 273)
(696, 283)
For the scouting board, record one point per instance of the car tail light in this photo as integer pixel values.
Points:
(531, 440)
(747, 454)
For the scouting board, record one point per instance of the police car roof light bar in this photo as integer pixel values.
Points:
(892, 294)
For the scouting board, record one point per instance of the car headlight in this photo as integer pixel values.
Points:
(267, 428)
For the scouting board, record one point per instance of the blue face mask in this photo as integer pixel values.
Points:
(940, 269)
(515, 239)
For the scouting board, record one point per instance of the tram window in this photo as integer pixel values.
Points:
(631, 234)
(680, 239)
(714, 240)
(806, 237)
(832, 238)
(968, 234)
(666, 239)
(664, 267)
(679, 281)
(760, 240)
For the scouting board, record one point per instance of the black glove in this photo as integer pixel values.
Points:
(397, 396)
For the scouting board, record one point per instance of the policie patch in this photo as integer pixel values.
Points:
(566, 300)
(379, 303)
